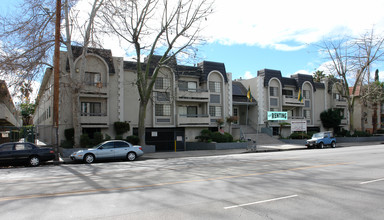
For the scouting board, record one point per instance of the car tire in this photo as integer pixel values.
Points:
(34, 161)
(333, 144)
(131, 156)
(89, 158)
(321, 145)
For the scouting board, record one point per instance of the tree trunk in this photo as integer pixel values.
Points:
(142, 115)
(374, 118)
(75, 118)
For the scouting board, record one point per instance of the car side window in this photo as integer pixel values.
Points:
(6, 147)
(121, 145)
(19, 147)
(108, 145)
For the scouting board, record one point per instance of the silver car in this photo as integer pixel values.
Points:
(109, 150)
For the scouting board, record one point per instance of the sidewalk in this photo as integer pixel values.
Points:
(259, 149)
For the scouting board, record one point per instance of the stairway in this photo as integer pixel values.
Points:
(260, 138)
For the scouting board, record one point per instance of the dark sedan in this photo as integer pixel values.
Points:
(24, 153)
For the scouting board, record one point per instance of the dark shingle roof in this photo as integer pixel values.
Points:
(202, 70)
(239, 93)
(103, 53)
(296, 80)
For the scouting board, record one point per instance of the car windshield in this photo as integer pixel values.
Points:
(97, 146)
(317, 135)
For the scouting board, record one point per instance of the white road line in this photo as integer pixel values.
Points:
(372, 181)
(264, 201)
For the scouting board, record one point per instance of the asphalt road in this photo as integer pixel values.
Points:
(341, 183)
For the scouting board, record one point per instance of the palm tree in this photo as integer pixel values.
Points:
(318, 76)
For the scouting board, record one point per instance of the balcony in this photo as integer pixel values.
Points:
(289, 100)
(94, 119)
(339, 102)
(192, 95)
(97, 88)
(344, 121)
(193, 120)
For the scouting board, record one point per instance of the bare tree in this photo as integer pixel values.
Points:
(76, 79)
(27, 43)
(163, 27)
(350, 61)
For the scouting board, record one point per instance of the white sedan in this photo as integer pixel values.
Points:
(109, 150)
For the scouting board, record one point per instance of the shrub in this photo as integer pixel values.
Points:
(84, 140)
(121, 127)
(299, 135)
(69, 134)
(361, 134)
(205, 136)
(229, 137)
(97, 138)
(67, 144)
(133, 139)
(119, 137)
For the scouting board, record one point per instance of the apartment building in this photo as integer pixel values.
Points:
(9, 116)
(185, 99)
(275, 93)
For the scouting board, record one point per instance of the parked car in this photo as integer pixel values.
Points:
(322, 139)
(24, 153)
(109, 150)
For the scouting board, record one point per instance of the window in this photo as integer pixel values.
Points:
(188, 86)
(307, 114)
(163, 96)
(273, 91)
(109, 145)
(189, 111)
(92, 78)
(215, 111)
(236, 114)
(121, 144)
(274, 101)
(91, 108)
(22, 146)
(6, 147)
(307, 103)
(162, 83)
(306, 94)
(214, 86)
(162, 110)
(215, 99)
(287, 92)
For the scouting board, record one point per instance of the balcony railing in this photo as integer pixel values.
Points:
(195, 95)
(289, 100)
(193, 119)
(94, 118)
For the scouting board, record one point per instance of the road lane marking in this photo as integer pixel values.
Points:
(47, 195)
(259, 202)
(372, 181)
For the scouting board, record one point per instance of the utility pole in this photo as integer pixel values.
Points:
(56, 76)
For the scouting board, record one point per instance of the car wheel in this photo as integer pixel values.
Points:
(321, 145)
(333, 144)
(34, 161)
(131, 156)
(89, 158)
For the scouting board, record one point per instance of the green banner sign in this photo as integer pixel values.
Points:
(274, 116)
